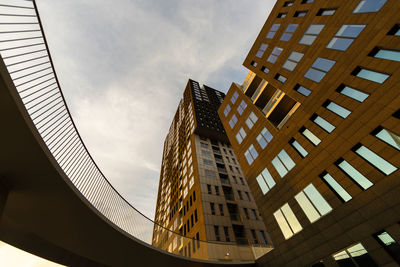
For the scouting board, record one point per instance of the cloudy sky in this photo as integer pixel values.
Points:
(123, 66)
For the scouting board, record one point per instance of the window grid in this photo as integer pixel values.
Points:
(274, 54)
(251, 120)
(251, 154)
(336, 188)
(233, 121)
(241, 135)
(272, 31)
(312, 203)
(287, 221)
(261, 50)
(319, 69)
(292, 60)
(227, 110)
(264, 138)
(290, 29)
(265, 181)
(311, 34)
(241, 107)
(283, 163)
(345, 37)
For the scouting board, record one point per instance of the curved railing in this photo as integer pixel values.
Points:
(25, 52)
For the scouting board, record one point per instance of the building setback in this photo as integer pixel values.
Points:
(315, 127)
(202, 193)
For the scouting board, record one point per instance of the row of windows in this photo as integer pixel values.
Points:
(303, 13)
(364, 6)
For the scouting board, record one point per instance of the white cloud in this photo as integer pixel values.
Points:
(123, 66)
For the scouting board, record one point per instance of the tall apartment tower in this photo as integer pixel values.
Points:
(316, 129)
(202, 192)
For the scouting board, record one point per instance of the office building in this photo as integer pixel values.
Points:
(202, 192)
(316, 129)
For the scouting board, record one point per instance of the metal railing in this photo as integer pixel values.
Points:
(25, 52)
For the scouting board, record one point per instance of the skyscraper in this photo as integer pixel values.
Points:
(202, 192)
(315, 127)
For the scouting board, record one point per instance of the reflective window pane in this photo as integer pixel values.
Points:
(263, 185)
(355, 175)
(302, 90)
(307, 39)
(350, 30)
(336, 187)
(279, 167)
(291, 218)
(388, 54)
(372, 75)
(286, 160)
(311, 137)
(299, 148)
(283, 225)
(314, 75)
(268, 178)
(323, 64)
(286, 36)
(315, 28)
(389, 137)
(353, 93)
(307, 207)
(369, 6)
(339, 110)
(378, 162)
(339, 43)
(324, 124)
(317, 199)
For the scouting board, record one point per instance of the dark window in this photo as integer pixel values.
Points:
(226, 231)
(389, 244)
(280, 78)
(302, 90)
(288, 3)
(253, 63)
(282, 15)
(216, 231)
(300, 14)
(395, 30)
(326, 11)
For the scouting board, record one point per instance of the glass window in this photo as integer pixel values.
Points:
(283, 163)
(370, 75)
(253, 63)
(326, 11)
(240, 135)
(307, 1)
(355, 255)
(395, 30)
(310, 136)
(311, 34)
(292, 60)
(375, 160)
(290, 29)
(302, 90)
(354, 174)
(241, 107)
(274, 54)
(272, 31)
(288, 3)
(227, 110)
(264, 138)
(384, 53)
(234, 97)
(261, 50)
(388, 137)
(335, 187)
(287, 221)
(208, 162)
(280, 78)
(299, 148)
(263, 237)
(312, 203)
(251, 120)
(337, 109)
(251, 154)
(233, 121)
(389, 244)
(300, 14)
(366, 6)
(352, 93)
(345, 37)
(264, 69)
(282, 15)
(319, 69)
(324, 124)
(265, 181)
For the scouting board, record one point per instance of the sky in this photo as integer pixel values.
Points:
(123, 66)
